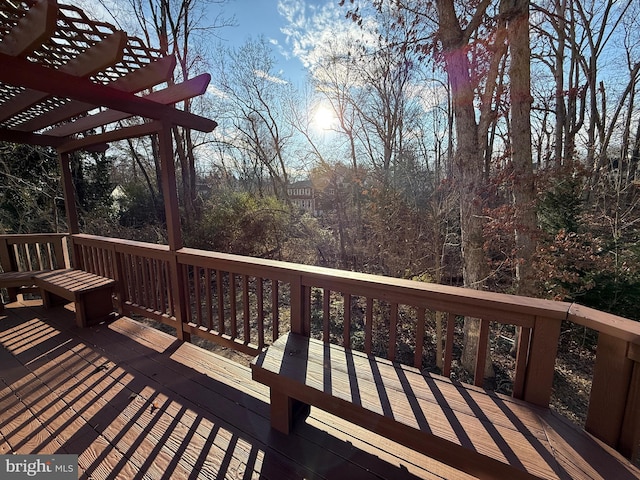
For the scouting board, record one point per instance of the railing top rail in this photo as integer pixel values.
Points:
(343, 280)
(21, 238)
(120, 244)
(604, 322)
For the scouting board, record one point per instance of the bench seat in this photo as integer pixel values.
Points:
(18, 282)
(18, 279)
(480, 432)
(90, 293)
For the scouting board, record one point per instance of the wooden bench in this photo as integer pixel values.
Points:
(90, 293)
(13, 281)
(479, 432)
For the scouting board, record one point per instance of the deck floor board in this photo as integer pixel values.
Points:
(134, 402)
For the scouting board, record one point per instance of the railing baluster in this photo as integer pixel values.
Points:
(368, 327)
(197, 295)
(326, 315)
(187, 294)
(275, 309)
(245, 308)
(521, 362)
(40, 256)
(157, 282)
(87, 253)
(420, 328)
(129, 286)
(393, 331)
(146, 285)
(481, 354)
(448, 346)
(260, 302)
(104, 269)
(138, 281)
(166, 282)
(162, 303)
(346, 339)
(207, 295)
(220, 290)
(233, 300)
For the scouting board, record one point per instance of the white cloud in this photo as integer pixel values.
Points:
(215, 91)
(270, 78)
(311, 25)
(315, 28)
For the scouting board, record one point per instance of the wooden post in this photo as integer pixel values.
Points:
(69, 194)
(542, 360)
(5, 256)
(174, 232)
(299, 299)
(169, 189)
(629, 443)
(609, 389)
(8, 264)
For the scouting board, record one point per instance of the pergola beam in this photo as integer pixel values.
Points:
(148, 76)
(19, 72)
(29, 138)
(133, 131)
(96, 58)
(173, 94)
(31, 30)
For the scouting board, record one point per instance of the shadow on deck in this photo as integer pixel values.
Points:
(133, 402)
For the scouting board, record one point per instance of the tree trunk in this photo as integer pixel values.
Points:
(468, 168)
(523, 187)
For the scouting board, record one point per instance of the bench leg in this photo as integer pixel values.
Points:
(93, 307)
(285, 411)
(50, 300)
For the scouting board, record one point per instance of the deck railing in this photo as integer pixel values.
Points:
(245, 303)
(28, 252)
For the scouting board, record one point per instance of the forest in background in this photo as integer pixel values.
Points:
(486, 144)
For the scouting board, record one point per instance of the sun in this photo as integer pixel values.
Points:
(324, 118)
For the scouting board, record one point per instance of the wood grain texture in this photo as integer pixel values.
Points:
(483, 434)
(134, 402)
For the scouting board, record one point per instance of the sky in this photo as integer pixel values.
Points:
(293, 27)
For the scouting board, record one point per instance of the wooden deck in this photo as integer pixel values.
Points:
(134, 402)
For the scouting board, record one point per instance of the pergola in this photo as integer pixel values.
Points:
(66, 81)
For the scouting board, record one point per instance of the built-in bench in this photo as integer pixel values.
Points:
(90, 293)
(13, 281)
(476, 431)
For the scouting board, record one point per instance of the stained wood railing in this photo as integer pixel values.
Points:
(148, 284)
(245, 303)
(29, 252)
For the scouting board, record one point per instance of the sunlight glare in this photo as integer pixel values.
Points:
(324, 118)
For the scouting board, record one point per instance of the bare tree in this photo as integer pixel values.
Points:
(256, 100)
(183, 28)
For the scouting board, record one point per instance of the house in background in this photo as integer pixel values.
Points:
(316, 196)
(303, 195)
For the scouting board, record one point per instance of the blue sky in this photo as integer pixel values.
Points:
(263, 17)
(293, 27)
